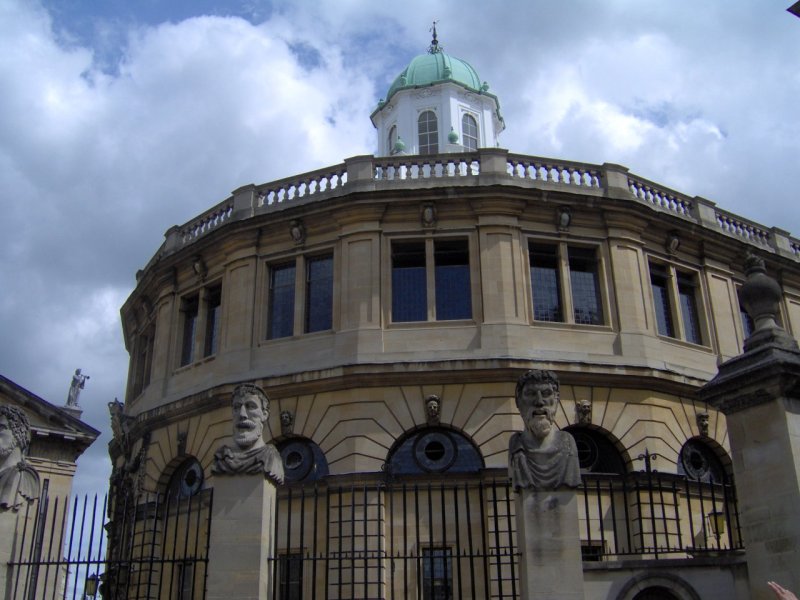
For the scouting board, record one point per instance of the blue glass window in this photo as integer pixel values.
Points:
(319, 294)
(437, 573)
(545, 283)
(281, 301)
(748, 325)
(688, 302)
(213, 306)
(659, 284)
(190, 313)
(434, 450)
(428, 133)
(409, 288)
(585, 286)
(453, 293)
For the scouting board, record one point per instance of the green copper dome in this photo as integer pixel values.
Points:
(437, 67)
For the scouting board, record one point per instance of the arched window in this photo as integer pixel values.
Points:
(303, 460)
(699, 462)
(655, 593)
(434, 450)
(186, 480)
(428, 133)
(469, 132)
(392, 139)
(596, 452)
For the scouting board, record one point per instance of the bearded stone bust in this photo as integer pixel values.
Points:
(541, 457)
(19, 482)
(249, 454)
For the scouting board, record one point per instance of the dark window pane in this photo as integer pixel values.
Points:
(409, 289)
(658, 282)
(319, 294)
(281, 301)
(545, 286)
(469, 131)
(428, 133)
(585, 286)
(688, 301)
(437, 574)
(748, 326)
(213, 306)
(392, 139)
(290, 576)
(190, 307)
(453, 293)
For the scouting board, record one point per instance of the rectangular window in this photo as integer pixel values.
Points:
(144, 360)
(545, 283)
(190, 313)
(409, 288)
(213, 306)
(688, 303)
(585, 286)
(185, 581)
(453, 291)
(748, 325)
(659, 282)
(280, 321)
(290, 567)
(319, 294)
(437, 574)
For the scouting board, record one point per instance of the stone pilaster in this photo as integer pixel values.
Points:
(759, 392)
(242, 538)
(549, 542)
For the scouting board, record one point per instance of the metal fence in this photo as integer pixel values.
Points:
(446, 538)
(158, 548)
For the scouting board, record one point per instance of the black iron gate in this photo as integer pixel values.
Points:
(154, 548)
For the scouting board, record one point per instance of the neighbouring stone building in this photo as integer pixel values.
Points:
(387, 306)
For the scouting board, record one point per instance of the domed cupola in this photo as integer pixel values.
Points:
(437, 104)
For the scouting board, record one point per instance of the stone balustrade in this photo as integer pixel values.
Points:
(548, 170)
(494, 165)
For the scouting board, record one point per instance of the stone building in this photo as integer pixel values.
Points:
(387, 306)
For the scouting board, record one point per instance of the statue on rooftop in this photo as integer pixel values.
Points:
(249, 454)
(78, 383)
(19, 482)
(541, 457)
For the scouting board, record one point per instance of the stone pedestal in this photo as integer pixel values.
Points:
(242, 527)
(758, 392)
(548, 539)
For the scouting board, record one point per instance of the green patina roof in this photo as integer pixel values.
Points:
(436, 67)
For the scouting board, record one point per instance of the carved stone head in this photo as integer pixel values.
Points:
(537, 398)
(433, 409)
(287, 422)
(250, 407)
(583, 412)
(702, 423)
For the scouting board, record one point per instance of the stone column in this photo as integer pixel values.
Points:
(242, 538)
(759, 393)
(549, 543)
(544, 470)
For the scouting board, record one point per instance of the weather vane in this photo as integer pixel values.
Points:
(434, 47)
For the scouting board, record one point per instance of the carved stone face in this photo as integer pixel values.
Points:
(433, 407)
(248, 420)
(537, 406)
(7, 440)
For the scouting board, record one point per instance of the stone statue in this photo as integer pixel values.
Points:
(78, 383)
(287, 422)
(583, 410)
(249, 455)
(433, 409)
(541, 457)
(19, 482)
(702, 423)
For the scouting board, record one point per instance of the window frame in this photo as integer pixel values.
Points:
(301, 286)
(428, 244)
(391, 139)
(676, 278)
(467, 136)
(430, 147)
(206, 304)
(429, 557)
(565, 287)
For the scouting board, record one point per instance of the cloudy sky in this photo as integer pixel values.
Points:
(121, 118)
